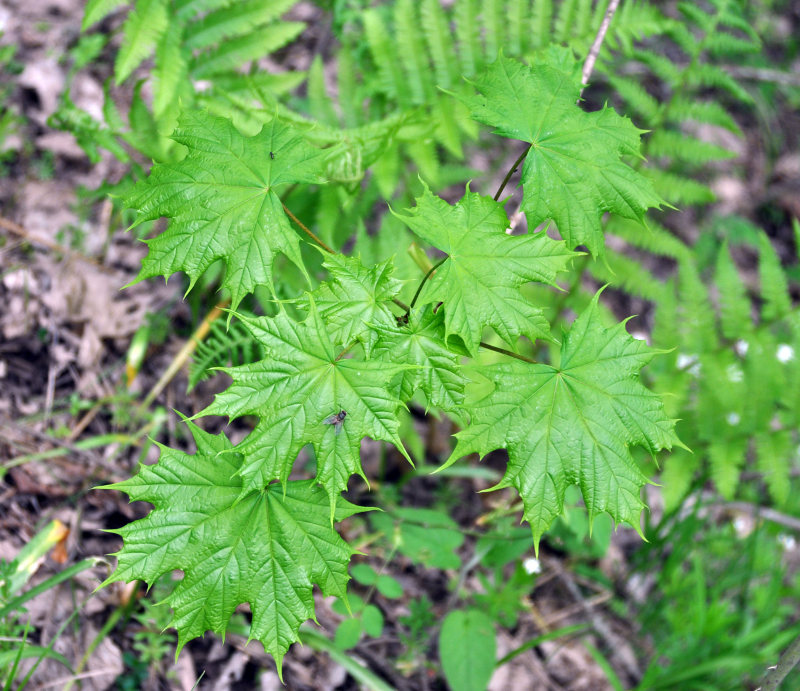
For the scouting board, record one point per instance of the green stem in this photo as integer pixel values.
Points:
(424, 280)
(788, 661)
(511, 172)
(510, 353)
(307, 230)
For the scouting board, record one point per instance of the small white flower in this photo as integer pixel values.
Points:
(733, 419)
(532, 566)
(787, 541)
(734, 373)
(784, 353)
(742, 526)
(690, 363)
(741, 347)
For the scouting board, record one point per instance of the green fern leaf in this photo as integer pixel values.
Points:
(772, 453)
(223, 203)
(233, 54)
(385, 57)
(99, 9)
(412, 52)
(467, 31)
(541, 20)
(237, 19)
(440, 43)
(170, 75)
(774, 287)
(734, 305)
(141, 33)
(726, 458)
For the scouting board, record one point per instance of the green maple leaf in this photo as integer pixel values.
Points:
(222, 201)
(572, 424)
(354, 298)
(295, 390)
(480, 279)
(573, 172)
(266, 548)
(421, 342)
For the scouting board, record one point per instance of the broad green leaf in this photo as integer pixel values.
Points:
(467, 649)
(572, 424)
(302, 382)
(479, 280)
(573, 172)
(425, 536)
(267, 548)
(421, 341)
(356, 298)
(222, 201)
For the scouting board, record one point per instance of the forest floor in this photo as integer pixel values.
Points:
(67, 424)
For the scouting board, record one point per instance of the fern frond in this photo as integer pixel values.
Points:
(193, 9)
(541, 21)
(467, 36)
(385, 57)
(233, 54)
(711, 112)
(231, 346)
(99, 9)
(772, 458)
(726, 458)
(170, 73)
(319, 103)
(734, 305)
(681, 147)
(516, 19)
(237, 19)
(705, 75)
(564, 20)
(437, 35)
(628, 274)
(696, 315)
(634, 21)
(412, 52)
(141, 32)
(774, 286)
(679, 190)
(653, 237)
(635, 96)
(493, 34)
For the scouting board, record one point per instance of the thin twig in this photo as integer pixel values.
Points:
(510, 353)
(511, 172)
(307, 230)
(183, 355)
(21, 232)
(788, 661)
(764, 512)
(424, 280)
(588, 68)
(594, 51)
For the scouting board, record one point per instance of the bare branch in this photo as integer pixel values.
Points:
(594, 51)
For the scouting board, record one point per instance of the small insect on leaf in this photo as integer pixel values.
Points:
(272, 155)
(336, 420)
